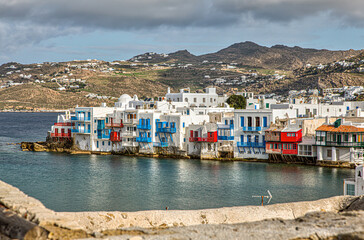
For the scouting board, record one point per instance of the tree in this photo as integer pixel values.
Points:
(237, 101)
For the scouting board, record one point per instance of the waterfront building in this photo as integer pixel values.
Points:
(340, 141)
(283, 141)
(355, 186)
(249, 130)
(62, 129)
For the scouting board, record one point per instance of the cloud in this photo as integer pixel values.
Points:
(25, 23)
(132, 14)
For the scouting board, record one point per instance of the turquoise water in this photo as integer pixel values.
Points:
(93, 183)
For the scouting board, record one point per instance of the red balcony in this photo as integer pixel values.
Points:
(113, 124)
(115, 137)
(211, 137)
(64, 124)
(61, 135)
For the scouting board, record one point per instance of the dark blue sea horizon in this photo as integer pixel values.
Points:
(64, 182)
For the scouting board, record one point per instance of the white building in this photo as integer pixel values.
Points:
(355, 186)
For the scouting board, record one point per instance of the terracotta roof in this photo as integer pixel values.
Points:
(341, 128)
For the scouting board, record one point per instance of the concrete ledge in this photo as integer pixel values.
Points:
(33, 210)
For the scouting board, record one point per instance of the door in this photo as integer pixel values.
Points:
(339, 139)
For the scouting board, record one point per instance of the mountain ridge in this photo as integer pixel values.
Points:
(252, 54)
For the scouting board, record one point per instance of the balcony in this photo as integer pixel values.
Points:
(166, 130)
(80, 119)
(272, 138)
(341, 144)
(200, 139)
(64, 124)
(160, 144)
(251, 144)
(144, 127)
(114, 125)
(144, 139)
(131, 121)
(226, 138)
(252, 129)
(129, 134)
(85, 131)
(66, 135)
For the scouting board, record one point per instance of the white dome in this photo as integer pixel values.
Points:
(124, 98)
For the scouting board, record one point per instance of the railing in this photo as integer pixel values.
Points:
(61, 135)
(343, 144)
(228, 138)
(81, 130)
(114, 125)
(129, 134)
(144, 127)
(62, 124)
(160, 144)
(200, 139)
(131, 121)
(273, 150)
(167, 130)
(251, 144)
(272, 138)
(115, 139)
(226, 126)
(144, 139)
(80, 118)
(252, 129)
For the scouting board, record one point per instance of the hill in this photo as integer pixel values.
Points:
(240, 67)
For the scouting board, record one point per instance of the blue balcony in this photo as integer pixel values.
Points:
(251, 144)
(144, 139)
(167, 130)
(252, 129)
(80, 119)
(144, 127)
(226, 138)
(80, 130)
(160, 144)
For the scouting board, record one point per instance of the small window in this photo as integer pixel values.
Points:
(194, 99)
(108, 143)
(329, 153)
(103, 143)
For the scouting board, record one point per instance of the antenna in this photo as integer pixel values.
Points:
(269, 197)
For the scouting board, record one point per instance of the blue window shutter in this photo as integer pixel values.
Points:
(242, 138)
(265, 122)
(241, 121)
(97, 144)
(183, 124)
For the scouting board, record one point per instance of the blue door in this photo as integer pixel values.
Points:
(265, 122)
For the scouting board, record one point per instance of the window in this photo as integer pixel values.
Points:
(350, 189)
(284, 146)
(103, 143)
(108, 143)
(203, 100)
(294, 146)
(271, 146)
(265, 122)
(97, 144)
(194, 100)
(329, 153)
(257, 121)
(242, 122)
(250, 122)
(186, 99)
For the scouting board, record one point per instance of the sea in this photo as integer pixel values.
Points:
(74, 183)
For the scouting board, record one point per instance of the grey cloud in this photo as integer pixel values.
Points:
(137, 14)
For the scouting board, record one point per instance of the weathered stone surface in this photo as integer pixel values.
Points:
(317, 225)
(86, 224)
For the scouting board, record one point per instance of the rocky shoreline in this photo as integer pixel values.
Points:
(68, 147)
(24, 217)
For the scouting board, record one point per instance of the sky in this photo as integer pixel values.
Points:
(34, 31)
